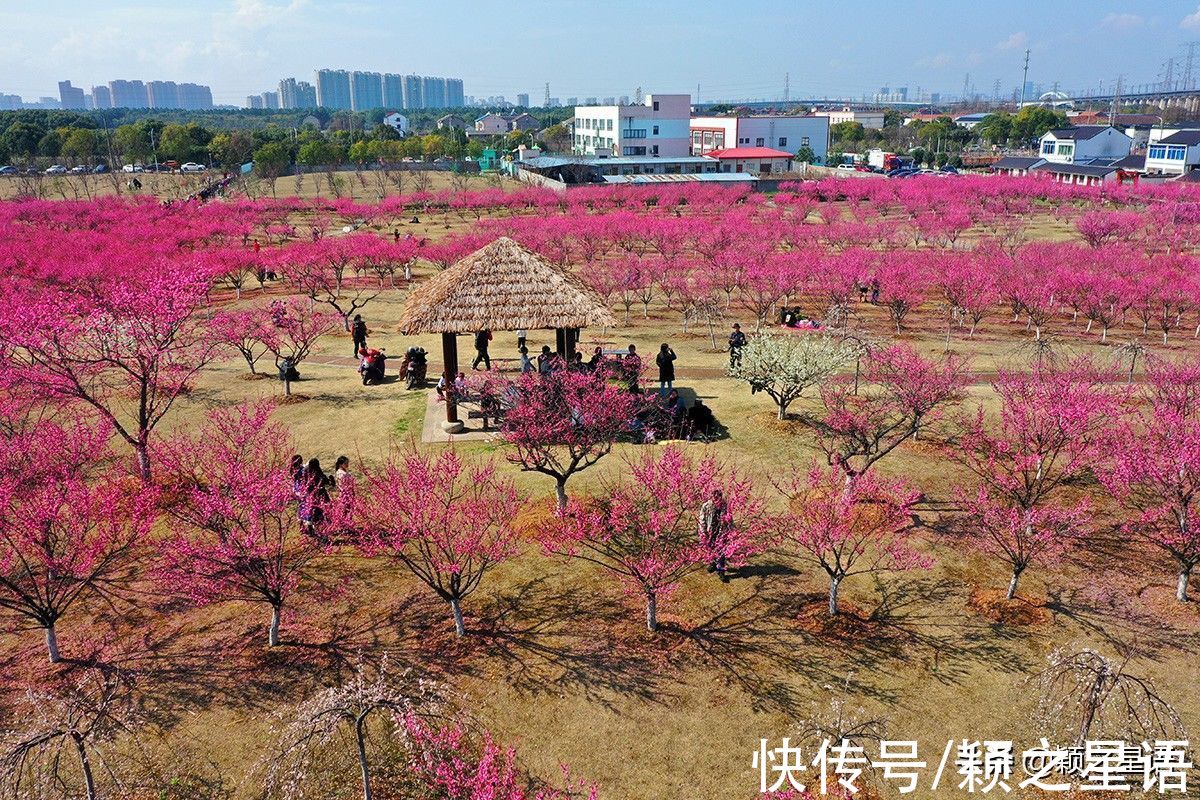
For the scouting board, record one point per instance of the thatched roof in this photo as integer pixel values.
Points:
(502, 287)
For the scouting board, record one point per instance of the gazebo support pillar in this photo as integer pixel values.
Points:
(565, 340)
(450, 367)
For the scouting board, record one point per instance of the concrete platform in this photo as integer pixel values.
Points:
(435, 415)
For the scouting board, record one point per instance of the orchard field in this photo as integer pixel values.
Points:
(984, 455)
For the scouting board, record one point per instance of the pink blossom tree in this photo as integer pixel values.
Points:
(1155, 468)
(248, 331)
(857, 530)
(65, 534)
(564, 422)
(236, 533)
(904, 395)
(1051, 430)
(446, 520)
(645, 528)
(127, 348)
(296, 328)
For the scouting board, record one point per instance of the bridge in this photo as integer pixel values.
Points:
(1187, 99)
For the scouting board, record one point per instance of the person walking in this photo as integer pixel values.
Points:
(314, 495)
(526, 362)
(482, 338)
(358, 332)
(737, 340)
(666, 369)
(713, 524)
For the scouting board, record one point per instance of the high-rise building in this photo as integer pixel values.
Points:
(333, 89)
(10, 102)
(195, 96)
(101, 97)
(128, 94)
(270, 99)
(412, 92)
(254, 101)
(433, 92)
(523, 100)
(572, 101)
(163, 94)
(393, 90)
(366, 90)
(297, 94)
(454, 93)
(70, 97)
(553, 103)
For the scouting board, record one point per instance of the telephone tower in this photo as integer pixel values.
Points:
(1024, 80)
(638, 97)
(546, 101)
(787, 86)
(1188, 64)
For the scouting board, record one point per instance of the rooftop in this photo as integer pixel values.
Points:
(1181, 137)
(1080, 132)
(550, 162)
(1076, 169)
(1017, 162)
(748, 152)
(502, 287)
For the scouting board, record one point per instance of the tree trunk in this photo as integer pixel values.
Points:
(1012, 584)
(460, 627)
(143, 459)
(85, 765)
(560, 494)
(52, 644)
(834, 583)
(651, 612)
(360, 735)
(287, 387)
(273, 631)
(782, 411)
(1181, 590)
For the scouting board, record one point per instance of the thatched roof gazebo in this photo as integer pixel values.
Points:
(501, 287)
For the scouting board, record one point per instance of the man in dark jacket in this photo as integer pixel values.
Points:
(358, 332)
(482, 338)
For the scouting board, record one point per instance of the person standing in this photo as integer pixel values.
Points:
(358, 332)
(545, 360)
(666, 369)
(526, 362)
(737, 340)
(482, 339)
(522, 335)
(713, 524)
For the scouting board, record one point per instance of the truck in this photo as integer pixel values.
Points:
(884, 161)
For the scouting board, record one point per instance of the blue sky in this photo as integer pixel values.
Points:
(739, 49)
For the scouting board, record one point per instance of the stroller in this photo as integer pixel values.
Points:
(373, 367)
(413, 367)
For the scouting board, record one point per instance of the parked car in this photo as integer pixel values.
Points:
(78, 169)
(57, 169)
(157, 168)
(6, 170)
(192, 166)
(847, 167)
(133, 168)
(100, 169)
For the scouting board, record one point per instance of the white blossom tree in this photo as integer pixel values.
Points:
(785, 366)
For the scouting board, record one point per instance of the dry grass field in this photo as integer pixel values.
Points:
(557, 661)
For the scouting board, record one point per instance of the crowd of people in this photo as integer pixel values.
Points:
(316, 491)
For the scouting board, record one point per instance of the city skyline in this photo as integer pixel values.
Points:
(244, 47)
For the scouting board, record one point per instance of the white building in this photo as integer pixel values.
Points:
(658, 127)
(1175, 154)
(778, 132)
(1084, 143)
(868, 119)
(397, 121)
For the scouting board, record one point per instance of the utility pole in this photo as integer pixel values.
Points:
(1187, 69)
(697, 92)
(1024, 80)
(1116, 100)
(966, 87)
